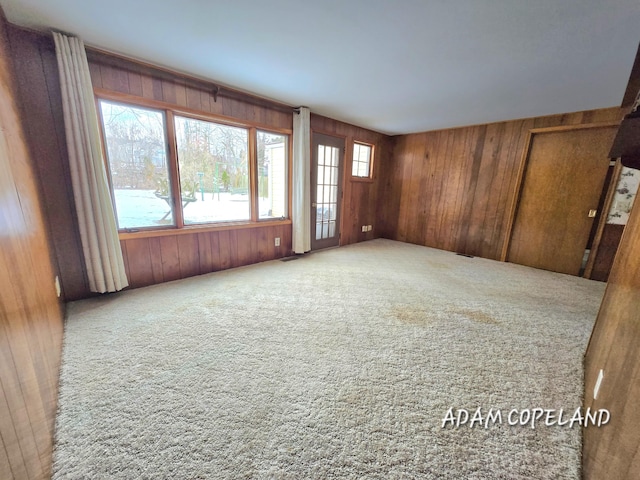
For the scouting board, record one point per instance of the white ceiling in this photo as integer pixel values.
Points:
(393, 66)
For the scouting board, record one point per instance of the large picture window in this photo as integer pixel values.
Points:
(214, 171)
(222, 173)
(136, 150)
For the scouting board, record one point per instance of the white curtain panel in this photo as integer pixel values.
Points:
(98, 228)
(301, 215)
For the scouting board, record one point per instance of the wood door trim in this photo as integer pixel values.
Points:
(340, 184)
(613, 184)
(328, 134)
(343, 169)
(515, 199)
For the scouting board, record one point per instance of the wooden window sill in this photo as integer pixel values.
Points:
(166, 232)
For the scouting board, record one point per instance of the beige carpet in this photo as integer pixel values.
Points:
(340, 364)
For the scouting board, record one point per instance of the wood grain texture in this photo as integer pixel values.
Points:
(613, 451)
(41, 106)
(359, 199)
(31, 317)
(151, 260)
(115, 74)
(607, 248)
(564, 179)
(456, 189)
(613, 176)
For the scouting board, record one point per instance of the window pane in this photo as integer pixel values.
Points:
(137, 157)
(361, 160)
(272, 175)
(214, 171)
(354, 167)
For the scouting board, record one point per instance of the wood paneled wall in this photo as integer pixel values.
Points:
(40, 98)
(31, 317)
(36, 66)
(156, 259)
(359, 203)
(607, 248)
(114, 74)
(455, 189)
(613, 451)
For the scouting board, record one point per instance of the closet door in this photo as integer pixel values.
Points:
(564, 177)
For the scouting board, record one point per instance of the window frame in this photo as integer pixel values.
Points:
(369, 178)
(287, 176)
(105, 156)
(169, 111)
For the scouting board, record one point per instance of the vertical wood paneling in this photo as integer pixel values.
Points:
(188, 254)
(151, 260)
(139, 261)
(181, 94)
(147, 83)
(454, 189)
(359, 202)
(31, 316)
(612, 451)
(224, 246)
(234, 261)
(105, 75)
(245, 244)
(216, 263)
(169, 92)
(157, 89)
(170, 258)
(193, 99)
(262, 242)
(39, 94)
(205, 256)
(157, 273)
(41, 106)
(607, 249)
(135, 83)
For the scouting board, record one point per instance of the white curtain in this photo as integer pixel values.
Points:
(301, 199)
(98, 229)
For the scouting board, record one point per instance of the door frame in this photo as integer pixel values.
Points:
(613, 184)
(341, 184)
(524, 162)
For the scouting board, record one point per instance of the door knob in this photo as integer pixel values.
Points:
(592, 213)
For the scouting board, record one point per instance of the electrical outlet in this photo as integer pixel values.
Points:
(596, 389)
(364, 228)
(369, 228)
(277, 241)
(57, 284)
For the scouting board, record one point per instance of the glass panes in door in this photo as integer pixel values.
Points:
(327, 191)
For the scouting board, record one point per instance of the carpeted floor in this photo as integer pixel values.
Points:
(340, 364)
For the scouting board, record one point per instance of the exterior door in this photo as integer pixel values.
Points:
(326, 190)
(563, 181)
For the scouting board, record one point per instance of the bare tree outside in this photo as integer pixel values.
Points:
(213, 164)
(136, 152)
(214, 170)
